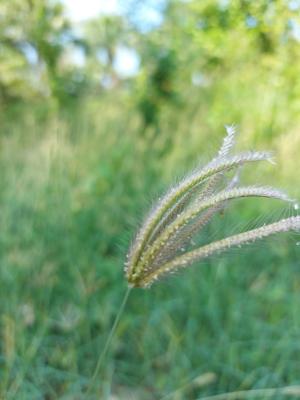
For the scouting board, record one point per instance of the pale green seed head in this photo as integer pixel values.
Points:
(160, 245)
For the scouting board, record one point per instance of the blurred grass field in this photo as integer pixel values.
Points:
(74, 187)
(81, 163)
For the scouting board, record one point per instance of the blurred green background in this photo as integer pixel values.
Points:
(98, 116)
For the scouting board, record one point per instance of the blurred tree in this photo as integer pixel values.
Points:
(33, 37)
(188, 49)
(214, 50)
(158, 87)
(103, 36)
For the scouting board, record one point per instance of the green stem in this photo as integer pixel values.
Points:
(293, 391)
(109, 339)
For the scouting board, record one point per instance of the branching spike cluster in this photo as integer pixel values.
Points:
(163, 243)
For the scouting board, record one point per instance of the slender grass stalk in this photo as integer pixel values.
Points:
(102, 355)
(287, 391)
(198, 381)
(162, 244)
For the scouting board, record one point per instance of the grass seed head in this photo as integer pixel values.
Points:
(161, 245)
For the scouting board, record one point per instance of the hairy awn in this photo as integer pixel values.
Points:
(163, 243)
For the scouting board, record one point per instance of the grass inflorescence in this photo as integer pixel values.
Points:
(165, 241)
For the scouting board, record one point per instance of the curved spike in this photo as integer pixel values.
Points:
(175, 194)
(292, 223)
(185, 234)
(192, 212)
(228, 141)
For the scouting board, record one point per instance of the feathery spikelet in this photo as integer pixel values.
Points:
(160, 245)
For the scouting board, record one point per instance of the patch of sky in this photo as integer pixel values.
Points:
(144, 15)
(251, 21)
(223, 4)
(127, 62)
(295, 29)
(77, 56)
(30, 53)
(79, 11)
(199, 79)
(294, 5)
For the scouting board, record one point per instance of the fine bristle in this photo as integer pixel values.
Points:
(160, 245)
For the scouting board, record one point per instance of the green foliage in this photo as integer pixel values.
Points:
(69, 198)
(156, 84)
(34, 36)
(80, 163)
